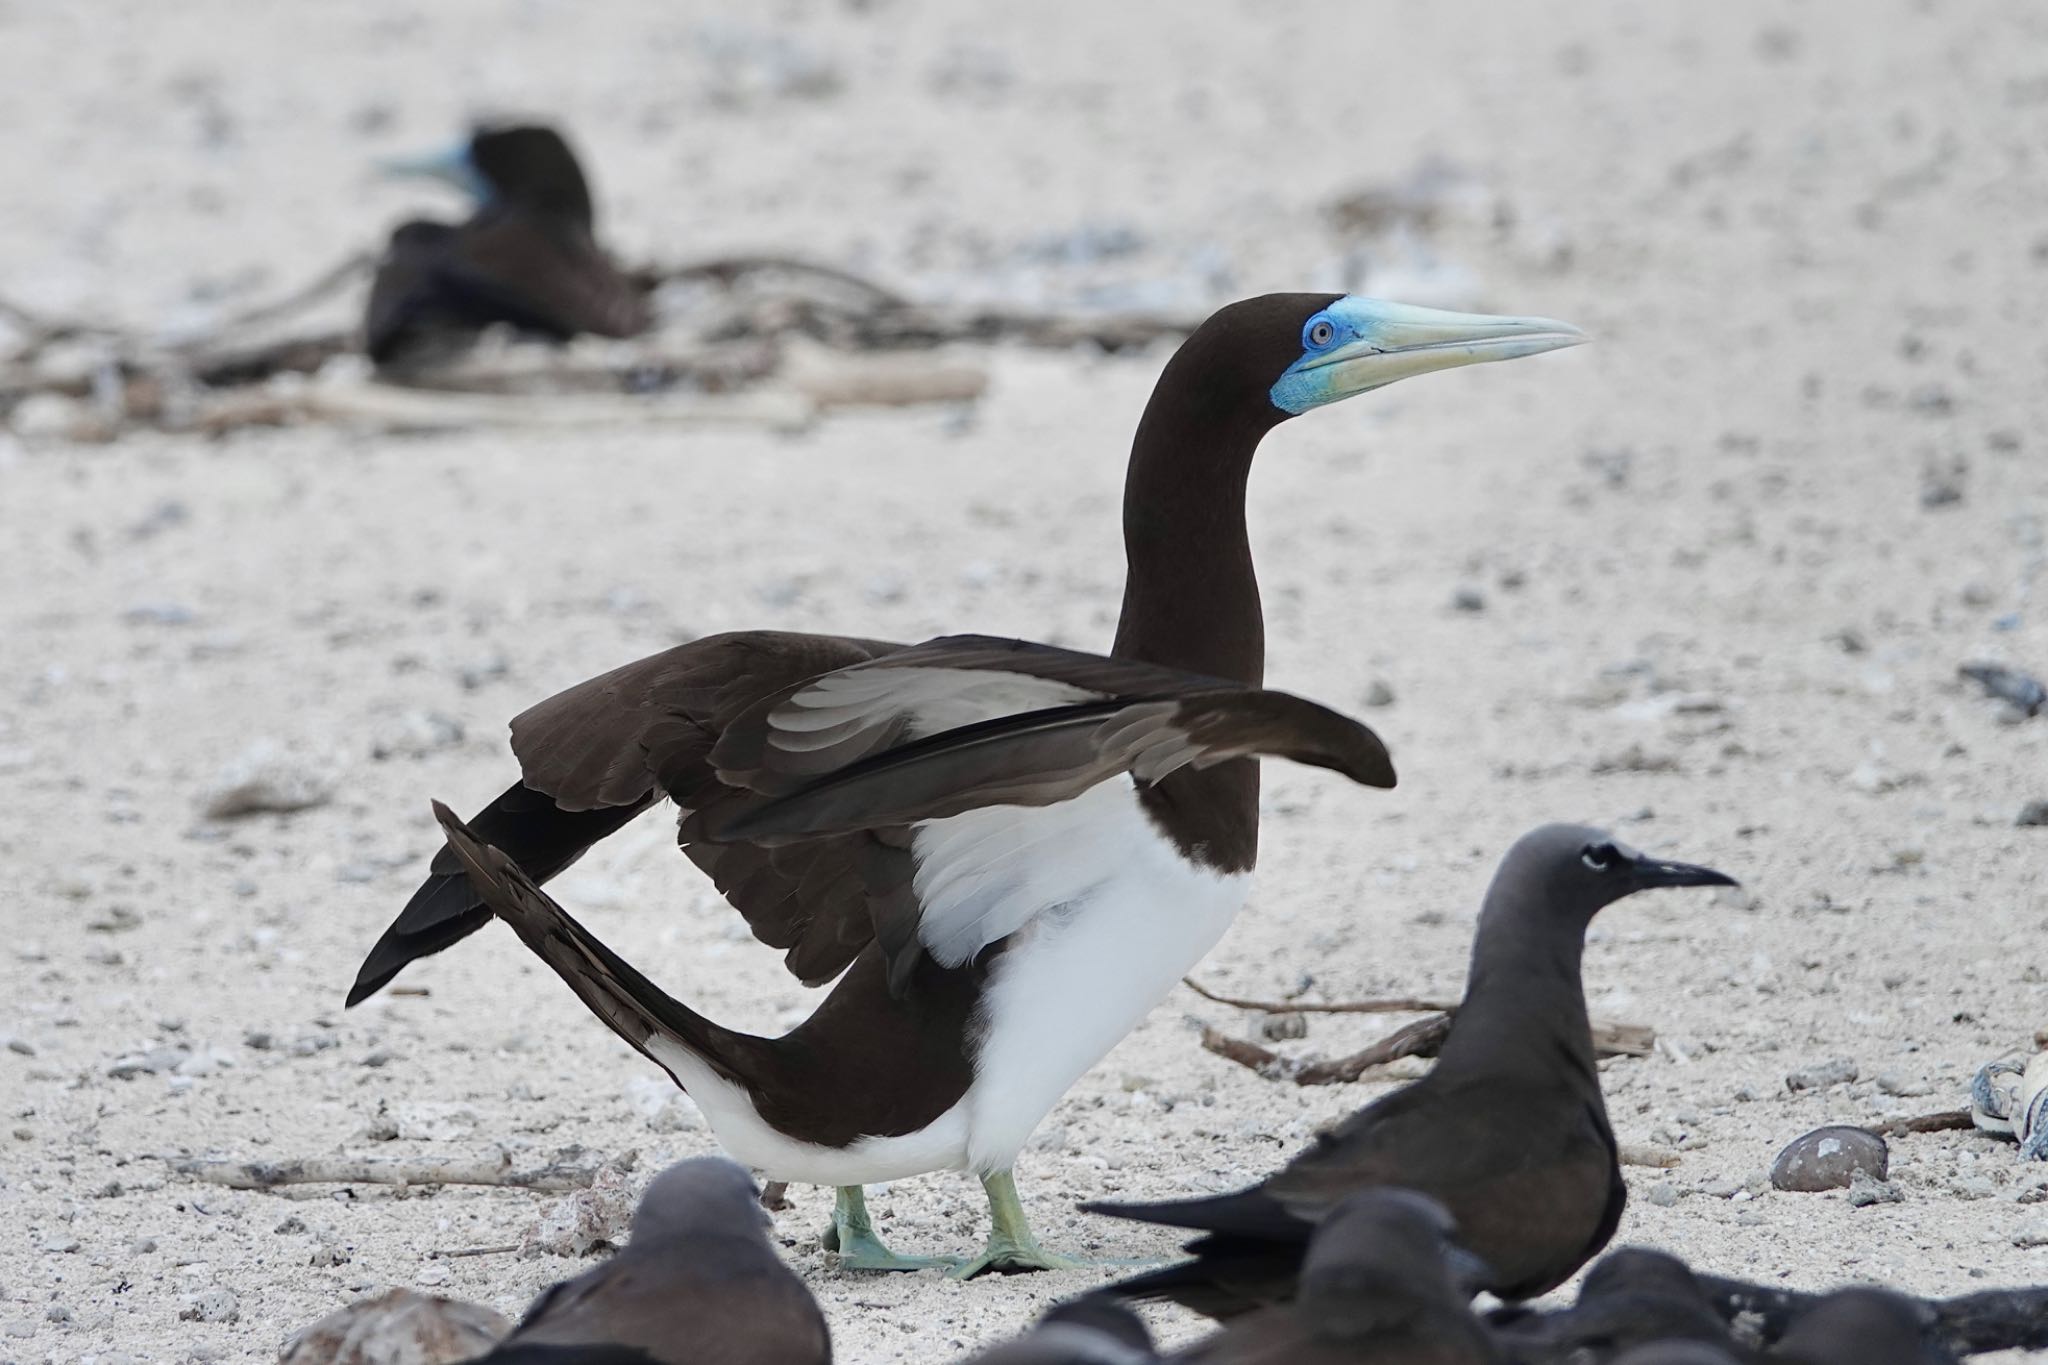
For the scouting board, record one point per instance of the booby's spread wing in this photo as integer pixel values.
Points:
(1035, 758)
(806, 765)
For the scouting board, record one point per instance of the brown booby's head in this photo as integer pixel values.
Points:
(525, 165)
(1279, 355)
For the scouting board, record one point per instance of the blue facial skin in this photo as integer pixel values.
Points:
(1307, 385)
(453, 167)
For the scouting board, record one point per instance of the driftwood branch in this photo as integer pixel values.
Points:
(1398, 1005)
(1941, 1121)
(554, 1178)
(1423, 1038)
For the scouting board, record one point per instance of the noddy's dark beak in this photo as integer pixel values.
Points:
(1468, 1272)
(1656, 872)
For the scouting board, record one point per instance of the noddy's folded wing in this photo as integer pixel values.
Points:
(541, 276)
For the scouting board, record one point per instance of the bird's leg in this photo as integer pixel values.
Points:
(1012, 1248)
(852, 1235)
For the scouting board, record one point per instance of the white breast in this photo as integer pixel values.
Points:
(1111, 917)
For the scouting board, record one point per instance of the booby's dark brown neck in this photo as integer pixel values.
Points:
(1191, 598)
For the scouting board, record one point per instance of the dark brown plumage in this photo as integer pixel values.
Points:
(1383, 1283)
(1631, 1297)
(1509, 1130)
(527, 257)
(1863, 1326)
(697, 1283)
(1088, 1331)
(965, 829)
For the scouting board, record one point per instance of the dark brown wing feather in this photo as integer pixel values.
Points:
(1044, 757)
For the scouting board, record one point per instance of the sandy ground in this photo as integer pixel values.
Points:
(1720, 610)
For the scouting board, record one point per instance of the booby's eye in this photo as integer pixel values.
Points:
(1599, 857)
(1319, 333)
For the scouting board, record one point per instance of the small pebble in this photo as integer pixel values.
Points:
(1468, 599)
(1865, 1191)
(59, 1245)
(1903, 1088)
(1282, 1027)
(1378, 693)
(1821, 1075)
(2033, 815)
(211, 1305)
(1662, 1194)
(142, 1246)
(1830, 1158)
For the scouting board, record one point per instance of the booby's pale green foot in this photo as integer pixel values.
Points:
(852, 1236)
(1011, 1249)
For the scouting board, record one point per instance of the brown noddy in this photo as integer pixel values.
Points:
(1509, 1129)
(1086, 1331)
(1863, 1326)
(1001, 854)
(1383, 1283)
(697, 1283)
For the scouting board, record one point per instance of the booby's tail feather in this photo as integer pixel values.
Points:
(630, 1005)
(541, 836)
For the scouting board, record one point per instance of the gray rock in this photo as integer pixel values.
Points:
(1378, 693)
(2033, 815)
(211, 1305)
(1865, 1191)
(263, 778)
(1821, 1075)
(1662, 1194)
(1468, 599)
(1903, 1088)
(1830, 1159)
(59, 1244)
(1282, 1027)
(2031, 1234)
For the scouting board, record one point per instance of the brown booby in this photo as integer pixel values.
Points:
(527, 257)
(1509, 1130)
(1864, 1325)
(1004, 853)
(697, 1283)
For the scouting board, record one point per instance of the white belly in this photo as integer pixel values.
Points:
(938, 1146)
(1080, 976)
(1103, 916)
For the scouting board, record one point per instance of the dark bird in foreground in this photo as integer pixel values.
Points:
(1509, 1130)
(697, 1283)
(1678, 1353)
(1002, 853)
(1631, 1297)
(1863, 1326)
(527, 257)
(1087, 1331)
(1383, 1283)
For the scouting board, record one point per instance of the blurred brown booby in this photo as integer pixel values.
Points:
(527, 257)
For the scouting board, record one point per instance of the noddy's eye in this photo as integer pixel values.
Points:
(1319, 334)
(1599, 857)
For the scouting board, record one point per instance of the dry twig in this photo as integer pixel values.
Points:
(554, 1178)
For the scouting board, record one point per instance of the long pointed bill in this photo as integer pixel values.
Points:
(1656, 872)
(1378, 343)
(452, 166)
